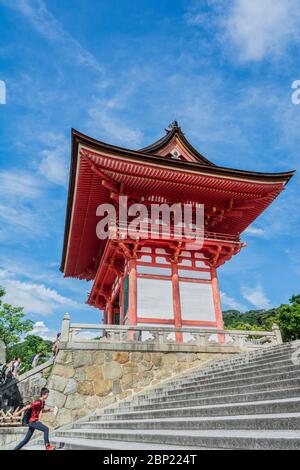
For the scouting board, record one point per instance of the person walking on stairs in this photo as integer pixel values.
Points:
(31, 418)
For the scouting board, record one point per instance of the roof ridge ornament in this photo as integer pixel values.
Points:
(172, 125)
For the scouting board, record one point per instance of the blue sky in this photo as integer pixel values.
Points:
(121, 71)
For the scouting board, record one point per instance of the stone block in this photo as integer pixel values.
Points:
(92, 402)
(129, 381)
(112, 371)
(130, 367)
(169, 359)
(145, 366)
(80, 374)
(71, 387)
(156, 359)
(136, 356)
(120, 356)
(147, 357)
(182, 357)
(85, 388)
(108, 356)
(94, 373)
(82, 358)
(102, 387)
(63, 371)
(56, 399)
(58, 383)
(75, 401)
(144, 379)
(116, 387)
(64, 357)
(99, 357)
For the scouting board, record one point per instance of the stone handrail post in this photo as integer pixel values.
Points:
(276, 330)
(2, 352)
(65, 328)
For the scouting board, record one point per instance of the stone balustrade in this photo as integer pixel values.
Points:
(153, 338)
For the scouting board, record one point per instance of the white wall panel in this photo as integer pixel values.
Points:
(154, 270)
(194, 274)
(154, 298)
(196, 301)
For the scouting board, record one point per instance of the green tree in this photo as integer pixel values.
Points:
(287, 316)
(247, 326)
(28, 348)
(288, 319)
(262, 318)
(12, 323)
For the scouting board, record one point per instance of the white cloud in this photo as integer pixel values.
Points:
(17, 221)
(89, 334)
(255, 231)
(21, 193)
(19, 184)
(40, 329)
(113, 128)
(256, 296)
(48, 26)
(230, 303)
(36, 298)
(53, 165)
(106, 119)
(30, 270)
(259, 28)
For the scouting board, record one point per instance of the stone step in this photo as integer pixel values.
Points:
(208, 373)
(227, 365)
(232, 439)
(217, 399)
(168, 385)
(265, 353)
(69, 443)
(267, 350)
(283, 366)
(210, 369)
(259, 407)
(216, 391)
(211, 384)
(284, 421)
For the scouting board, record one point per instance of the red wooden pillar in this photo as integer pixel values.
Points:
(110, 312)
(217, 303)
(122, 302)
(132, 301)
(176, 301)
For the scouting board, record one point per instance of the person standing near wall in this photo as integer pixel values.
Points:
(55, 344)
(16, 365)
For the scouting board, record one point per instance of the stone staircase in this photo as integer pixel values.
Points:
(251, 401)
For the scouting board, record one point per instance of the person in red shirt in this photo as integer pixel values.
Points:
(36, 408)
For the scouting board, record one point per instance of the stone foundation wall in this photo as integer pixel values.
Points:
(84, 380)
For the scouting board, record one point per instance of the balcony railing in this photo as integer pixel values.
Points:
(162, 232)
